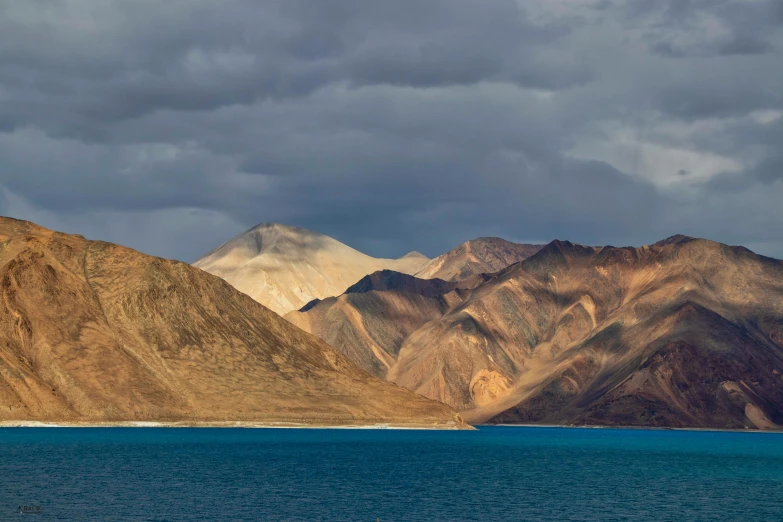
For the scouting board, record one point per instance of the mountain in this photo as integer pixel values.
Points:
(479, 256)
(683, 333)
(95, 332)
(285, 267)
(372, 319)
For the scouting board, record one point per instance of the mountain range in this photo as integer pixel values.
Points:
(92, 332)
(682, 333)
(685, 332)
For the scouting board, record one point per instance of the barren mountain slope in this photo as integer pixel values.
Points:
(686, 332)
(285, 267)
(372, 319)
(91, 331)
(478, 256)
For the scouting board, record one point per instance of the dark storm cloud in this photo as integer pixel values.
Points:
(91, 62)
(770, 170)
(393, 126)
(706, 28)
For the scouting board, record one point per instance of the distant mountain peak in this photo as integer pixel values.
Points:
(476, 256)
(267, 227)
(271, 224)
(284, 267)
(674, 240)
(563, 248)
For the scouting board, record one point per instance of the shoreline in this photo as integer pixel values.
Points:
(226, 424)
(641, 428)
(376, 426)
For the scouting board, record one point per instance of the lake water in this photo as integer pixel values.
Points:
(494, 473)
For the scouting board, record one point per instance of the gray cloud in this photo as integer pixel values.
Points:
(770, 170)
(393, 126)
(708, 28)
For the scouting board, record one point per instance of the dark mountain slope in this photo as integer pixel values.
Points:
(686, 332)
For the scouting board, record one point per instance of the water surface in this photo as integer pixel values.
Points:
(495, 473)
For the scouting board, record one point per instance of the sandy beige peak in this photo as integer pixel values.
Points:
(285, 267)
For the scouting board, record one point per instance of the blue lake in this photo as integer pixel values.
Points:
(495, 473)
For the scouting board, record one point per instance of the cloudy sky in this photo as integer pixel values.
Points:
(394, 125)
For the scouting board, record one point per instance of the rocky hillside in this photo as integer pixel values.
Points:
(95, 332)
(373, 318)
(685, 333)
(478, 256)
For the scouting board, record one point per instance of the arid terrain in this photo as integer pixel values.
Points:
(285, 267)
(683, 333)
(478, 256)
(92, 332)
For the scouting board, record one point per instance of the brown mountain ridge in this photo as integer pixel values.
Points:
(477, 256)
(683, 333)
(94, 332)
